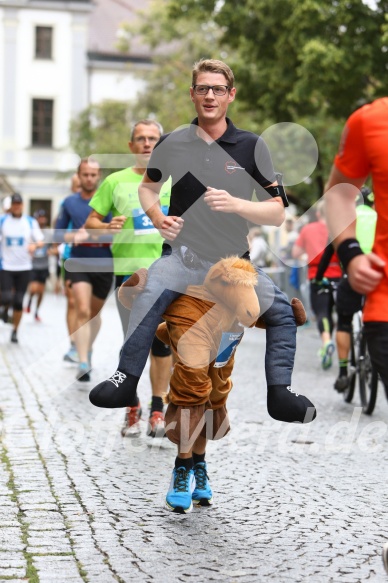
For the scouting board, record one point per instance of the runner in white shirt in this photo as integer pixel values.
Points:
(20, 236)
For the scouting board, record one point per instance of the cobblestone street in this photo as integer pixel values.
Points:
(79, 503)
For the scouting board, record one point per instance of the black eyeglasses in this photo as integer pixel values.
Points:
(217, 89)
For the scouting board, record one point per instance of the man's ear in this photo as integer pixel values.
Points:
(232, 94)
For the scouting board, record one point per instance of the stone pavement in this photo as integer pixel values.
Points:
(79, 503)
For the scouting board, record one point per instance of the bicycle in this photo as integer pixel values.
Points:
(361, 367)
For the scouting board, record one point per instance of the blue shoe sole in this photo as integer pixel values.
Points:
(179, 509)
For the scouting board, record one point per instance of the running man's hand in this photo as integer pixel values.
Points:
(117, 223)
(365, 272)
(221, 200)
(80, 236)
(169, 227)
(32, 247)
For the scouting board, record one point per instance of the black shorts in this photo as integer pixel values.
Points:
(40, 275)
(100, 282)
(158, 348)
(13, 286)
(348, 301)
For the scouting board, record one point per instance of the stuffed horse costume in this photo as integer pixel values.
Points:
(197, 325)
(205, 326)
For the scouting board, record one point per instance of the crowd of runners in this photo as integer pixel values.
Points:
(180, 208)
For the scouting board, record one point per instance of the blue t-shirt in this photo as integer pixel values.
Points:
(73, 212)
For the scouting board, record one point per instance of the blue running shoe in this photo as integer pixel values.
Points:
(203, 494)
(326, 353)
(71, 356)
(178, 497)
(83, 375)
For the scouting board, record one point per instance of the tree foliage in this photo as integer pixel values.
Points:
(102, 128)
(300, 57)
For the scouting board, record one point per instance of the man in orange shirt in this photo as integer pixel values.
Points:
(362, 153)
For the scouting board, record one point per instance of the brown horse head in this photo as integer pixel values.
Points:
(232, 281)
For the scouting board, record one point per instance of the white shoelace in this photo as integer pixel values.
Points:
(292, 391)
(117, 378)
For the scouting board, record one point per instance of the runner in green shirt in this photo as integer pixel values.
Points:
(136, 244)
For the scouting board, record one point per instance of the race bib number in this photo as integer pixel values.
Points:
(14, 241)
(228, 344)
(142, 224)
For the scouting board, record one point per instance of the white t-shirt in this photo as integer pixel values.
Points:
(16, 235)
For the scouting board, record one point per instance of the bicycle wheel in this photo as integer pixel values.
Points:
(349, 392)
(367, 378)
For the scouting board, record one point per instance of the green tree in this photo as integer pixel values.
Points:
(300, 57)
(103, 129)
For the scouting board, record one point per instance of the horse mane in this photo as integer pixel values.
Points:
(237, 271)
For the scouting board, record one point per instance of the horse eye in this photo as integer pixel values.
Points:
(223, 282)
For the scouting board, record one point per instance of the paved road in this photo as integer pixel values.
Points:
(79, 503)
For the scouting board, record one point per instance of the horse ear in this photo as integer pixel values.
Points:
(215, 272)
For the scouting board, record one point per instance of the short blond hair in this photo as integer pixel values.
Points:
(212, 66)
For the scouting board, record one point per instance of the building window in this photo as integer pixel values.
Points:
(42, 122)
(43, 42)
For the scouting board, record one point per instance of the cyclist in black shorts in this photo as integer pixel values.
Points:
(348, 301)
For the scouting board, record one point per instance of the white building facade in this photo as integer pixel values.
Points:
(56, 58)
(43, 64)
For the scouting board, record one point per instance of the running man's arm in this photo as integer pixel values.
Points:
(149, 191)
(95, 221)
(340, 200)
(260, 213)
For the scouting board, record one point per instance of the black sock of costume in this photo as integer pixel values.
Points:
(184, 463)
(198, 457)
(156, 404)
(285, 405)
(117, 391)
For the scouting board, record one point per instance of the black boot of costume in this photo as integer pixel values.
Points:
(117, 391)
(283, 404)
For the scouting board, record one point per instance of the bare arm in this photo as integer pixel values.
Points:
(340, 207)
(95, 221)
(364, 271)
(297, 251)
(169, 227)
(269, 212)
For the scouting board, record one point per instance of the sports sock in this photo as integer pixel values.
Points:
(285, 405)
(343, 367)
(184, 463)
(198, 457)
(156, 404)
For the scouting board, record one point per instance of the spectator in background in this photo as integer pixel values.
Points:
(258, 247)
(312, 240)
